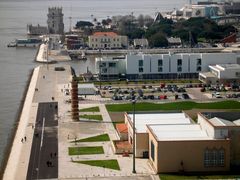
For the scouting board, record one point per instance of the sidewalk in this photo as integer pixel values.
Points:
(17, 164)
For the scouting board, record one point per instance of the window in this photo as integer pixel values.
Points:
(160, 69)
(117, 39)
(152, 151)
(179, 69)
(140, 69)
(221, 156)
(214, 157)
(96, 39)
(199, 61)
(103, 64)
(160, 63)
(199, 68)
(104, 70)
(113, 39)
(179, 62)
(112, 64)
(140, 65)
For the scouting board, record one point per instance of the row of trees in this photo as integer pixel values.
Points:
(193, 30)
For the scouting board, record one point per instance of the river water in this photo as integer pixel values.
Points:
(16, 63)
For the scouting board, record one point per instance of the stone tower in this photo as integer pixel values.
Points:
(55, 20)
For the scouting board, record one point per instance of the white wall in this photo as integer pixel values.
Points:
(189, 62)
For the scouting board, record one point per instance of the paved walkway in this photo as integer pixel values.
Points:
(17, 164)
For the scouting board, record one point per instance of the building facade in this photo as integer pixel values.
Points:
(55, 21)
(174, 144)
(173, 66)
(107, 40)
(221, 73)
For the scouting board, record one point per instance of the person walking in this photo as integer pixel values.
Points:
(25, 138)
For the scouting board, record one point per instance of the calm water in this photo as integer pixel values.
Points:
(16, 64)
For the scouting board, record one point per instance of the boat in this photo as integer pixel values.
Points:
(30, 42)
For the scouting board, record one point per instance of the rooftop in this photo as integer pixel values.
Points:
(105, 34)
(179, 132)
(141, 120)
(222, 67)
(223, 118)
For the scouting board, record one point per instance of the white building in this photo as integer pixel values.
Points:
(55, 21)
(171, 66)
(221, 73)
(107, 40)
(140, 43)
(164, 66)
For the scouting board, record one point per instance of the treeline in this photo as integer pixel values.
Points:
(193, 30)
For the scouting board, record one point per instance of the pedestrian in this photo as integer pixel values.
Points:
(32, 126)
(25, 138)
(51, 155)
(68, 136)
(22, 140)
(50, 163)
(55, 154)
(47, 163)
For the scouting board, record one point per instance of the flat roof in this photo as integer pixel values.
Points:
(179, 132)
(141, 120)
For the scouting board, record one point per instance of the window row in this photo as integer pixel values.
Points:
(214, 157)
(104, 40)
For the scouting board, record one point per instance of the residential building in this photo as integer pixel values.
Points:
(74, 41)
(140, 43)
(55, 20)
(107, 40)
(221, 73)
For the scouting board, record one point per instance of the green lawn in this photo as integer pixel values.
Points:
(110, 164)
(99, 138)
(94, 117)
(173, 177)
(85, 150)
(186, 105)
(91, 109)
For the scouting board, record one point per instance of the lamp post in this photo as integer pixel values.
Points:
(100, 69)
(134, 151)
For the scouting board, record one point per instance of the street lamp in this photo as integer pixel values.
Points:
(100, 69)
(134, 151)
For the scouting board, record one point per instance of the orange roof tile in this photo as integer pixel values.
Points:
(104, 34)
(122, 128)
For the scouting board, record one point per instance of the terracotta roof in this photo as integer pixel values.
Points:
(104, 34)
(122, 128)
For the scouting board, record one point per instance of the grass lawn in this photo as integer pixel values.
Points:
(91, 109)
(186, 105)
(99, 138)
(173, 177)
(110, 164)
(94, 117)
(85, 150)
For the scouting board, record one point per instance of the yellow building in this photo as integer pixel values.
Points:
(107, 40)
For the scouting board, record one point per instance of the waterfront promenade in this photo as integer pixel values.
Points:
(46, 100)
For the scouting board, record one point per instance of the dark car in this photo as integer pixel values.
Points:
(185, 96)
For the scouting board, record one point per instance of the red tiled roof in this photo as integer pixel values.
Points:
(122, 128)
(104, 34)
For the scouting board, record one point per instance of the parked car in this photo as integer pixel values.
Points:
(185, 96)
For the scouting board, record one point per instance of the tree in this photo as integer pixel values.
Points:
(83, 24)
(158, 40)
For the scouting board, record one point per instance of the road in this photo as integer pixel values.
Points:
(45, 143)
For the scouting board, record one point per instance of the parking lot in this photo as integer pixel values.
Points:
(174, 92)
